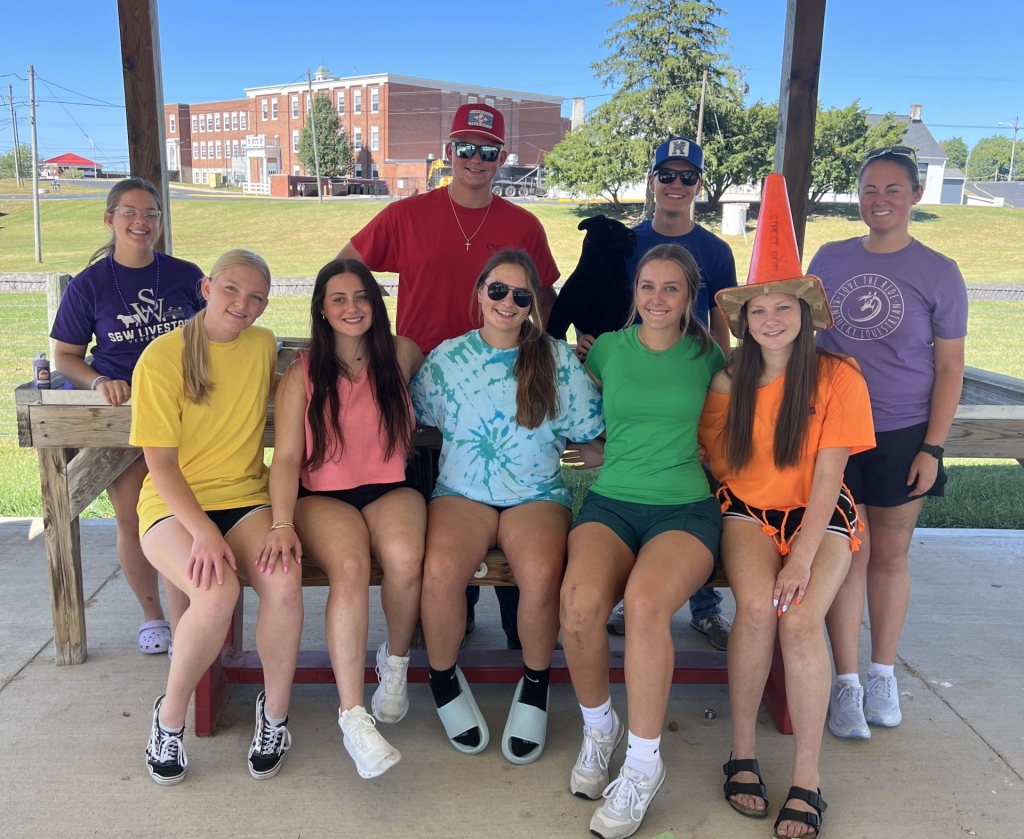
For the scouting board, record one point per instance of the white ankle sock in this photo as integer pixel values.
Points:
(880, 669)
(177, 732)
(851, 678)
(642, 755)
(599, 717)
(273, 721)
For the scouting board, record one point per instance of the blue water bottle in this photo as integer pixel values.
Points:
(41, 372)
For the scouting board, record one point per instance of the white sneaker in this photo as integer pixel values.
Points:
(627, 800)
(165, 754)
(373, 755)
(882, 701)
(391, 699)
(846, 712)
(590, 774)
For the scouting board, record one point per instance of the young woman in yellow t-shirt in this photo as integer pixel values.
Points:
(778, 424)
(199, 402)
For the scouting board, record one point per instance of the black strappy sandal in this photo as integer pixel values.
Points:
(812, 819)
(736, 788)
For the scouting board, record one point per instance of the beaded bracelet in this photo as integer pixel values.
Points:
(277, 525)
(97, 380)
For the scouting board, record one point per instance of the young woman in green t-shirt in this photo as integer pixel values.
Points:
(648, 532)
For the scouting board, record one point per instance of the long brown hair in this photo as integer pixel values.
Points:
(325, 368)
(195, 356)
(114, 200)
(798, 394)
(535, 368)
(690, 325)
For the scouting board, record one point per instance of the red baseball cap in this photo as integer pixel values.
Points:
(479, 119)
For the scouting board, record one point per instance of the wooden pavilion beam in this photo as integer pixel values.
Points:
(798, 104)
(144, 100)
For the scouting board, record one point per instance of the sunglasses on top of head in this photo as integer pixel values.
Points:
(520, 296)
(488, 153)
(667, 176)
(899, 151)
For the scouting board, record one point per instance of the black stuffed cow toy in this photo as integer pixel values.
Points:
(598, 295)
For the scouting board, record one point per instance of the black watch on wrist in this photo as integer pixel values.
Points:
(934, 451)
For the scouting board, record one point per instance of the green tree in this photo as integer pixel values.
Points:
(739, 145)
(841, 137)
(24, 162)
(990, 159)
(600, 157)
(957, 152)
(333, 145)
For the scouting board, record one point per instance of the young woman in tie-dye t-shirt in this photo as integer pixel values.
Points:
(507, 400)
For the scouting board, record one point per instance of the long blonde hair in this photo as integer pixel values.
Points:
(195, 356)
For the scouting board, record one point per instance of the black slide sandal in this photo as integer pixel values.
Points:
(812, 819)
(736, 788)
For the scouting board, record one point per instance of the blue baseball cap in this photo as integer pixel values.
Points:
(679, 148)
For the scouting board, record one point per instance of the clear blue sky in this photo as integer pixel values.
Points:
(960, 60)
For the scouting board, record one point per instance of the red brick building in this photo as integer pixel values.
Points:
(394, 122)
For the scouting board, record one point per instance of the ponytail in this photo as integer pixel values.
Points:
(536, 390)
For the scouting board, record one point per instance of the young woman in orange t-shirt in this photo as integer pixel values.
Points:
(778, 426)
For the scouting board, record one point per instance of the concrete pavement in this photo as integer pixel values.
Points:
(73, 738)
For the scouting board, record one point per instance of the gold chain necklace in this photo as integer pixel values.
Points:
(468, 239)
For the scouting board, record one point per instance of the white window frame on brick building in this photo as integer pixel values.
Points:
(202, 151)
(227, 121)
(202, 123)
(195, 150)
(296, 170)
(374, 100)
(295, 140)
(309, 103)
(295, 107)
(242, 121)
(195, 124)
(216, 122)
(238, 152)
(357, 101)
(273, 108)
(209, 149)
(265, 106)
(227, 149)
(195, 176)
(341, 101)
(220, 155)
(357, 138)
(234, 120)
(374, 138)
(172, 124)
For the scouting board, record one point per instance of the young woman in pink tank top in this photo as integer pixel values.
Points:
(343, 423)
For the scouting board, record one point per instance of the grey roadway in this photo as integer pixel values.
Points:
(1011, 192)
(73, 738)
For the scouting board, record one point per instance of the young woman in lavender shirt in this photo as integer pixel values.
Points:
(900, 311)
(127, 296)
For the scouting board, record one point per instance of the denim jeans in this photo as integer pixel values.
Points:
(705, 603)
(508, 603)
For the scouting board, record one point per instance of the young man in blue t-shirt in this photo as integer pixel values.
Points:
(675, 180)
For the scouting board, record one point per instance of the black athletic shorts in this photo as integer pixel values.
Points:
(878, 477)
(224, 519)
(358, 497)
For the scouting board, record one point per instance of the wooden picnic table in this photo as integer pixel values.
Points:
(82, 445)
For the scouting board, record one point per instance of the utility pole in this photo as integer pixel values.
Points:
(14, 132)
(312, 122)
(1015, 125)
(700, 132)
(35, 161)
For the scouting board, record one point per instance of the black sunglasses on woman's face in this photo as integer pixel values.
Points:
(520, 296)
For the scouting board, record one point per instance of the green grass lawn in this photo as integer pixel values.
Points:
(986, 243)
(298, 238)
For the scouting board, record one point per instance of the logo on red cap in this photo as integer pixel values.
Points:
(480, 119)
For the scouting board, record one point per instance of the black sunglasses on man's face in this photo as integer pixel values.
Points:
(488, 154)
(667, 176)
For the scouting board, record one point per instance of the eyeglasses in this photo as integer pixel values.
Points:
(131, 212)
(488, 154)
(901, 151)
(688, 177)
(520, 296)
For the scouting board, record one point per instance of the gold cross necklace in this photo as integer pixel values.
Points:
(468, 239)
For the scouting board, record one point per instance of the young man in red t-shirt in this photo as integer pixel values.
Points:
(439, 241)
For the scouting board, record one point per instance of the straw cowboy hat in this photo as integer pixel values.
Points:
(775, 264)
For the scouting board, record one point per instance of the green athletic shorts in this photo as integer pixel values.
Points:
(637, 524)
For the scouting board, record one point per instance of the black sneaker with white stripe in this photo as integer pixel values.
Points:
(269, 743)
(165, 755)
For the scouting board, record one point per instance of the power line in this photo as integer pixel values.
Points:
(83, 95)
